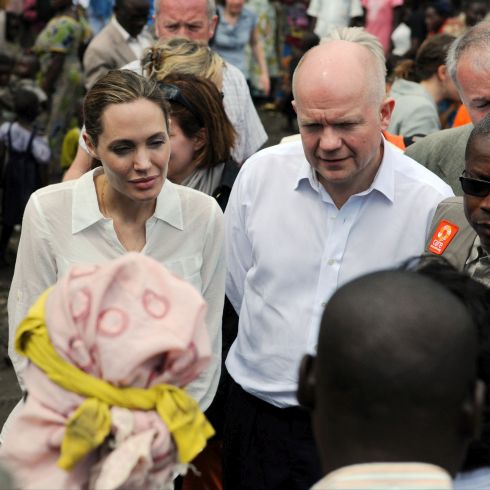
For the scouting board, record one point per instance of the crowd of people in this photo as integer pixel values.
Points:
(191, 311)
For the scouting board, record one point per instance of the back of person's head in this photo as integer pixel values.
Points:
(475, 40)
(207, 115)
(26, 105)
(395, 378)
(180, 55)
(476, 298)
(359, 36)
(118, 87)
(430, 56)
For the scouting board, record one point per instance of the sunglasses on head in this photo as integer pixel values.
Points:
(172, 93)
(474, 187)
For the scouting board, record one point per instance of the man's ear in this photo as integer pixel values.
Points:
(212, 27)
(385, 112)
(90, 147)
(306, 385)
(472, 411)
(293, 103)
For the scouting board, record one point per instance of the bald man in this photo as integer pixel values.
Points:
(302, 219)
(393, 390)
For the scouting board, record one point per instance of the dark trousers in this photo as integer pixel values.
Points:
(267, 448)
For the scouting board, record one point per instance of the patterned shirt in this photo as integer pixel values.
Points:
(478, 263)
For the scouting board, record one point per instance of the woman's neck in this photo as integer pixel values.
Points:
(119, 207)
(231, 17)
(433, 86)
(128, 216)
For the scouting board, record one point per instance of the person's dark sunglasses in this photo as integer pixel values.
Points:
(475, 187)
(172, 93)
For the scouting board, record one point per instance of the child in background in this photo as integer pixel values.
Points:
(23, 154)
(24, 77)
(111, 348)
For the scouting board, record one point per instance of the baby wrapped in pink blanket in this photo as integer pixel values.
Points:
(132, 324)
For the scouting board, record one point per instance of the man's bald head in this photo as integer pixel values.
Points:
(349, 50)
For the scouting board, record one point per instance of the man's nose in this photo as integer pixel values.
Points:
(330, 139)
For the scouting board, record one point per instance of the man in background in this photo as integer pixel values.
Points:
(393, 390)
(121, 41)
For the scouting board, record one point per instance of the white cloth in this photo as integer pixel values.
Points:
(239, 108)
(20, 139)
(63, 226)
(401, 39)
(331, 14)
(289, 248)
(136, 44)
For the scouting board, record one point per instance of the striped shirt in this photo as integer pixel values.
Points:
(384, 476)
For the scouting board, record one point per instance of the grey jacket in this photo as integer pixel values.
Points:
(443, 154)
(415, 111)
(458, 250)
(107, 51)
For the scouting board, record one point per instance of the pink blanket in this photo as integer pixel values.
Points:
(131, 323)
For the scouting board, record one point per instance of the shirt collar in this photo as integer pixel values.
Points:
(387, 476)
(86, 211)
(478, 253)
(384, 181)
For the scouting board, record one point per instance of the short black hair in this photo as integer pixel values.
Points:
(26, 105)
(476, 298)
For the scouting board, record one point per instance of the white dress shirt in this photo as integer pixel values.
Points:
(239, 108)
(63, 226)
(289, 248)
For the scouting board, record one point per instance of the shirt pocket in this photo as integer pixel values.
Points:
(187, 268)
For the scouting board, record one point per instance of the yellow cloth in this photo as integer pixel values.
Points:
(69, 147)
(91, 422)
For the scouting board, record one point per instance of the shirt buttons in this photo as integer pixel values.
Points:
(331, 261)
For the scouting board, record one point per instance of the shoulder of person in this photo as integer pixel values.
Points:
(281, 160)
(192, 196)
(414, 172)
(452, 207)
(441, 141)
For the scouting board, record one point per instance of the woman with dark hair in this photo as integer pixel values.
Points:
(127, 204)
(201, 136)
(419, 86)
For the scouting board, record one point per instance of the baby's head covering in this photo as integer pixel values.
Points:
(126, 336)
(130, 322)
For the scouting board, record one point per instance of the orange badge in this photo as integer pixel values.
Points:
(442, 237)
